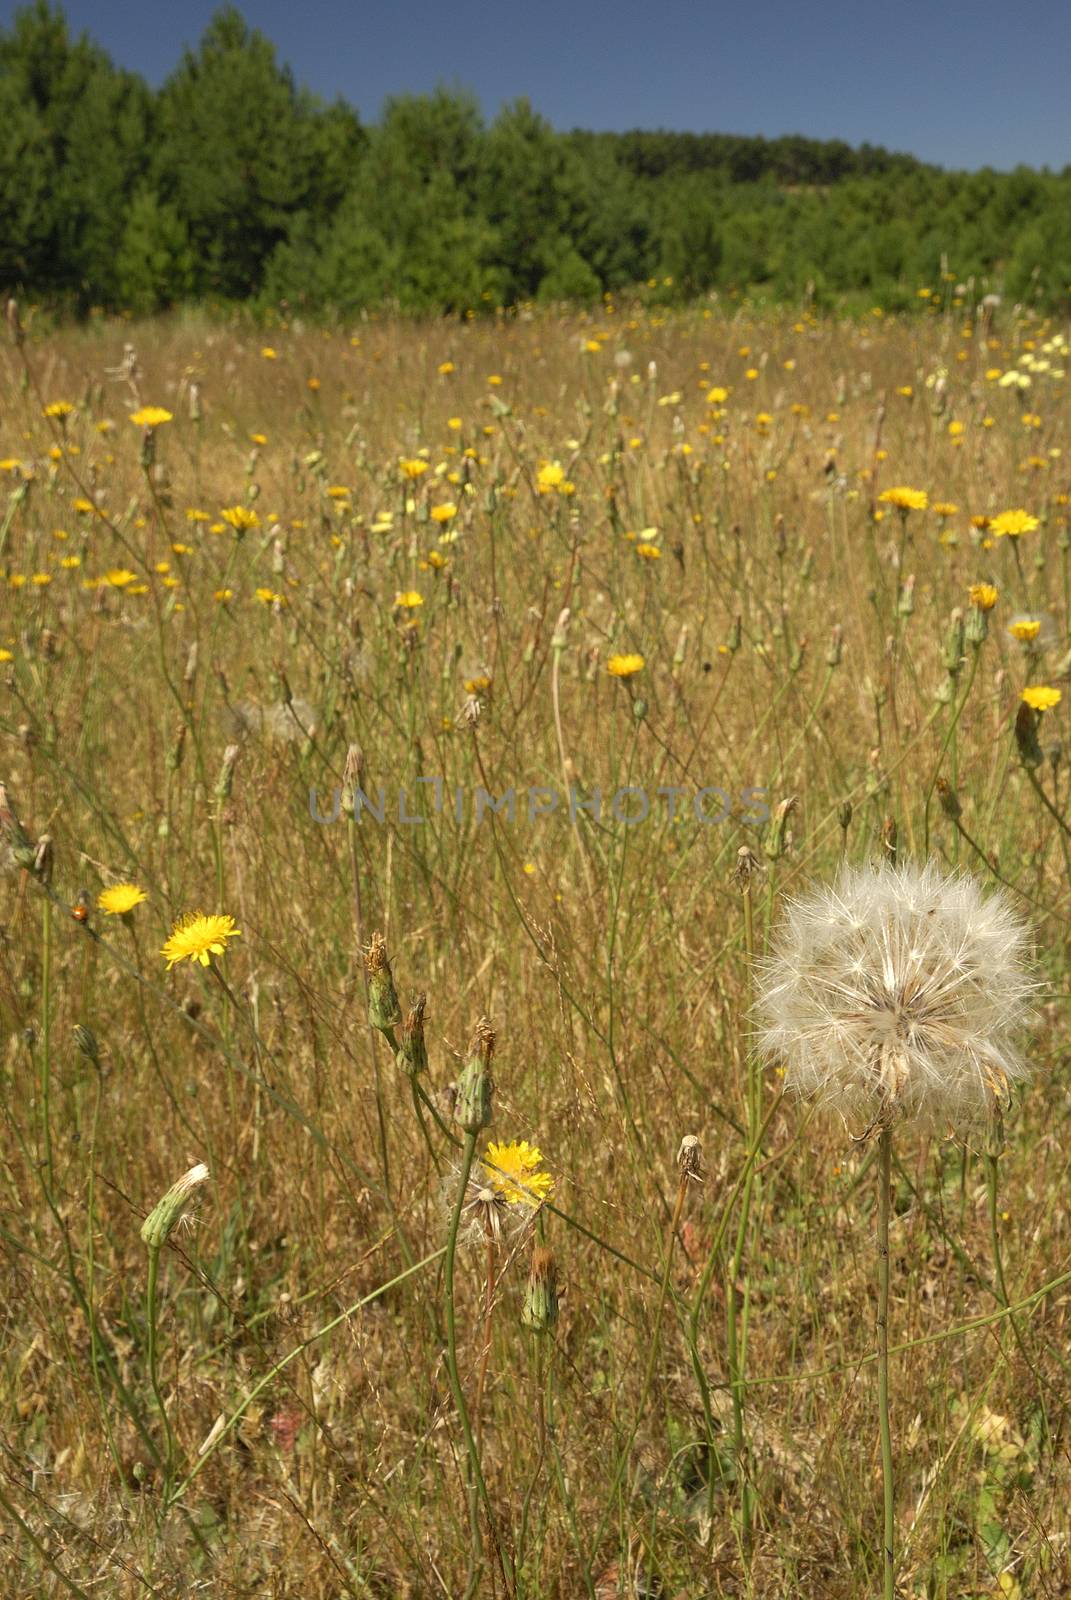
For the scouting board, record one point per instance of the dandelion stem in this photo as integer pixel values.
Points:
(884, 1196)
(468, 1155)
(154, 1375)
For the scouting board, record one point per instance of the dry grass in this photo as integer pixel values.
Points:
(610, 958)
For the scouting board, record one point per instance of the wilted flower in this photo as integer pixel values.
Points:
(898, 994)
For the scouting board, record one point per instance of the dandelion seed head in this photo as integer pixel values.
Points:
(899, 994)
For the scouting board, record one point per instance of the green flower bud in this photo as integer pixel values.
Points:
(472, 1109)
(540, 1311)
(86, 1043)
(384, 1012)
(159, 1224)
(413, 1053)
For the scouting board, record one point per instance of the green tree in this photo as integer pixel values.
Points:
(154, 266)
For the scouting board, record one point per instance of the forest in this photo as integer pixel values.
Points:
(232, 184)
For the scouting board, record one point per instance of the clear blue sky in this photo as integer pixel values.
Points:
(965, 84)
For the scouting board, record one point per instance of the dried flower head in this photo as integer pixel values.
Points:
(898, 993)
(159, 1224)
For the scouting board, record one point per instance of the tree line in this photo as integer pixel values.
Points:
(232, 183)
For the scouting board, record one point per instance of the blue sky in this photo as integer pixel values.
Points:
(966, 85)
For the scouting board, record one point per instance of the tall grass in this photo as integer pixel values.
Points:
(292, 1411)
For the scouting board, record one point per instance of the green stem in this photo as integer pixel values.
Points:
(468, 1155)
(884, 1195)
(154, 1377)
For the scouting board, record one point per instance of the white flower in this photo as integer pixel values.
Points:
(899, 994)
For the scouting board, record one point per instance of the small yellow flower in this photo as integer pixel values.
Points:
(550, 476)
(1012, 524)
(983, 595)
(412, 466)
(649, 552)
(268, 353)
(625, 666)
(120, 899)
(6, 655)
(1039, 697)
(905, 499)
(445, 368)
(516, 1171)
(223, 595)
(717, 396)
(445, 512)
(150, 417)
(1024, 631)
(195, 937)
(119, 577)
(338, 491)
(58, 409)
(944, 508)
(408, 598)
(240, 518)
(268, 597)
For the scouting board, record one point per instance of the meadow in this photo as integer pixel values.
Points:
(288, 615)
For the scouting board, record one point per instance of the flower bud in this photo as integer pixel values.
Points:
(86, 1043)
(540, 1311)
(384, 1012)
(954, 644)
(158, 1225)
(472, 1108)
(413, 1053)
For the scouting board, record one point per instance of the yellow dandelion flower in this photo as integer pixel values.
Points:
(983, 595)
(944, 508)
(268, 353)
(119, 577)
(905, 499)
(1024, 631)
(408, 598)
(196, 937)
(268, 597)
(454, 424)
(649, 552)
(120, 899)
(58, 409)
(445, 512)
(338, 491)
(6, 656)
(1012, 524)
(150, 417)
(240, 518)
(625, 666)
(412, 466)
(550, 475)
(445, 368)
(1039, 697)
(516, 1171)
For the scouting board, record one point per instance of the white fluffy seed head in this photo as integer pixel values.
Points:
(899, 994)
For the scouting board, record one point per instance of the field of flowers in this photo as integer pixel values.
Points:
(412, 737)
